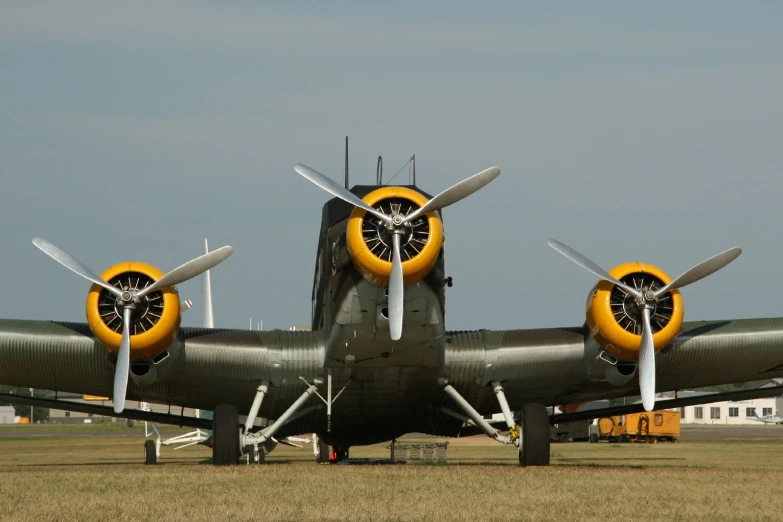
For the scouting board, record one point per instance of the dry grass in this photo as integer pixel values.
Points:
(79, 478)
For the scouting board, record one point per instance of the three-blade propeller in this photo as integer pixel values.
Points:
(397, 223)
(129, 297)
(647, 300)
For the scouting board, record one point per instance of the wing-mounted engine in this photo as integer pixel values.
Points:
(370, 239)
(133, 309)
(635, 310)
(614, 315)
(155, 317)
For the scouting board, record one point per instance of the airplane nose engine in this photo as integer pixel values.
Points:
(155, 318)
(614, 316)
(369, 239)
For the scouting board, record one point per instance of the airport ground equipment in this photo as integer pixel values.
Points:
(653, 426)
(576, 431)
(419, 452)
(649, 427)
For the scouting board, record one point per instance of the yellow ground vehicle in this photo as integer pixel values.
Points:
(639, 427)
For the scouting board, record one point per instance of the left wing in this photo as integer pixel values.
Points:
(201, 369)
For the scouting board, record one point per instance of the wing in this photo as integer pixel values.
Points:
(201, 369)
(561, 365)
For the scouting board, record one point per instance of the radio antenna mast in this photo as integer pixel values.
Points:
(346, 163)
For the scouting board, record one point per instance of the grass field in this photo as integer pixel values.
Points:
(67, 475)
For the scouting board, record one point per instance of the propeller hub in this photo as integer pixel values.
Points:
(627, 307)
(397, 220)
(146, 310)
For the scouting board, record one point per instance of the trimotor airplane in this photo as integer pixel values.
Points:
(380, 342)
(766, 419)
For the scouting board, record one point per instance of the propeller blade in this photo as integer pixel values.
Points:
(588, 265)
(72, 264)
(209, 319)
(702, 270)
(123, 364)
(457, 192)
(189, 270)
(396, 291)
(647, 363)
(334, 189)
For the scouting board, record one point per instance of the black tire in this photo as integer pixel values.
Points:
(593, 437)
(150, 452)
(225, 435)
(534, 450)
(323, 451)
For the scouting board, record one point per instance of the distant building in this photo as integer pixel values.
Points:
(730, 412)
(724, 412)
(8, 415)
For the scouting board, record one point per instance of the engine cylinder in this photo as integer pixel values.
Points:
(614, 318)
(154, 322)
(369, 242)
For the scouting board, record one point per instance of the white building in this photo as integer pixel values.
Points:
(725, 412)
(8, 415)
(731, 412)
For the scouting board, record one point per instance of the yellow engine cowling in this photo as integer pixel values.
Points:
(371, 252)
(610, 315)
(155, 321)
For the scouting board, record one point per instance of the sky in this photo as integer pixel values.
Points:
(133, 130)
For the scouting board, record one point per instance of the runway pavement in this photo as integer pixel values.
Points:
(726, 432)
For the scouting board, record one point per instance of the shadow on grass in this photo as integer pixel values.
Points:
(615, 459)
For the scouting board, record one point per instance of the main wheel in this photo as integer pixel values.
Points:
(534, 449)
(225, 435)
(150, 452)
(593, 437)
(323, 452)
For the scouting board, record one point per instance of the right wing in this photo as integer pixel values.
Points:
(557, 366)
